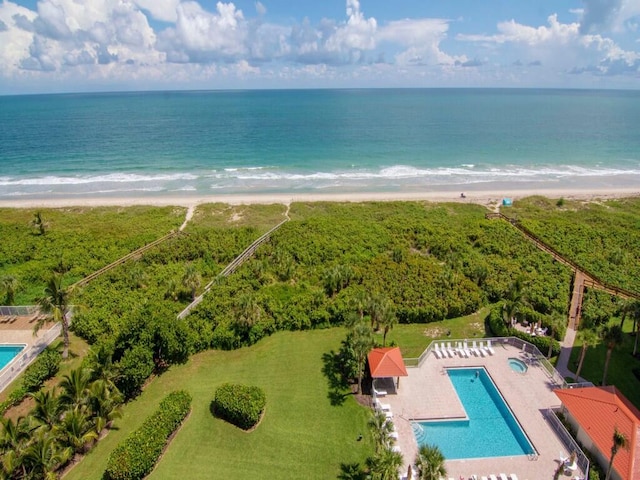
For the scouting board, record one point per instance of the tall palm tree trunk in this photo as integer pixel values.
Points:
(583, 353)
(606, 366)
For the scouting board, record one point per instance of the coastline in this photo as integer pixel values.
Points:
(486, 198)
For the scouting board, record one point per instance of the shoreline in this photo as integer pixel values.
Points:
(481, 197)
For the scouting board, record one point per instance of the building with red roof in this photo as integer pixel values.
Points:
(386, 363)
(595, 413)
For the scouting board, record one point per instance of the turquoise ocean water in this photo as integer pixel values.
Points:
(316, 141)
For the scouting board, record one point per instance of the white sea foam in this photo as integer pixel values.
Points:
(107, 178)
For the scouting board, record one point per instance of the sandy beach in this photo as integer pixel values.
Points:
(481, 197)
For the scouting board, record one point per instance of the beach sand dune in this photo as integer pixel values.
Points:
(486, 198)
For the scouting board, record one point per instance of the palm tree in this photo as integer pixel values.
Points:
(359, 302)
(248, 309)
(191, 280)
(589, 338)
(631, 309)
(619, 441)
(612, 337)
(554, 322)
(13, 441)
(55, 303)
(514, 302)
(385, 464)
(9, 285)
(104, 400)
(75, 388)
(387, 320)
(47, 409)
(380, 430)
(361, 343)
(75, 431)
(38, 223)
(430, 463)
(44, 456)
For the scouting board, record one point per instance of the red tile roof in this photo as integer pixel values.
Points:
(386, 362)
(599, 410)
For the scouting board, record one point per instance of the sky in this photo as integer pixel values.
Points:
(133, 45)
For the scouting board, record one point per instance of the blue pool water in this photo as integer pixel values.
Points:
(8, 353)
(491, 430)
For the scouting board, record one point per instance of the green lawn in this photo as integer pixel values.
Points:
(302, 435)
(414, 338)
(620, 369)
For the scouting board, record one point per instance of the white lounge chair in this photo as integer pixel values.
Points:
(379, 393)
(450, 350)
(513, 476)
(436, 351)
(490, 348)
(470, 351)
(382, 406)
(396, 448)
(394, 435)
(493, 477)
(461, 350)
(479, 351)
(503, 477)
(388, 414)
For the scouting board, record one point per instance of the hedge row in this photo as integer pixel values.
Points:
(135, 457)
(499, 329)
(44, 367)
(240, 405)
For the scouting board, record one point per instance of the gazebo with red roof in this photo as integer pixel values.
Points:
(387, 362)
(596, 412)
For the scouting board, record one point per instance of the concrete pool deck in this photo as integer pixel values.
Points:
(427, 393)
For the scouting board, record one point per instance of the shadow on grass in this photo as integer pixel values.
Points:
(338, 386)
(351, 471)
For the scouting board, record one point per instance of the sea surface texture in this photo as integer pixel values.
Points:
(316, 141)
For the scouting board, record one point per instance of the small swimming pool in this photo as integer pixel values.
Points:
(8, 353)
(490, 429)
(517, 365)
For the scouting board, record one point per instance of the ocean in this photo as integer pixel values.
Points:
(316, 141)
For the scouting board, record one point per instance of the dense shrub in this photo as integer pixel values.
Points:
(134, 368)
(44, 367)
(240, 405)
(136, 456)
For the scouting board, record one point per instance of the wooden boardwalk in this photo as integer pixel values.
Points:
(581, 277)
(135, 254)
(233, 266)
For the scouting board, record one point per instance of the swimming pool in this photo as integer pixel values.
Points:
(8, 353)
(490, 429)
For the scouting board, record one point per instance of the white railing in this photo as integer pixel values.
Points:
(569, 442)
(22, 361)
(21, 311)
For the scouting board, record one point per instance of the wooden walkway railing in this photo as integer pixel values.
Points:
(589, 279)
(120, 261)
(232, 267)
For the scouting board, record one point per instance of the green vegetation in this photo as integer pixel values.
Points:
(134, 458)
(240, 405)
(402, 273)
(303, 430)
(63, 423)
(78, 240)
(602, 237)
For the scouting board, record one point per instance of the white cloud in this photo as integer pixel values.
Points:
(421, 38)
(14, 41)
(202, 36)
(164, 10)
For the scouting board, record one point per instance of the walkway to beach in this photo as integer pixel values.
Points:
(581, 279)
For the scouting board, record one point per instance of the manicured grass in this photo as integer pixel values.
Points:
(414, 338)
(620, 369)
(302, 435)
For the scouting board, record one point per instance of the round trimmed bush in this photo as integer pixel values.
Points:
(241, 405)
